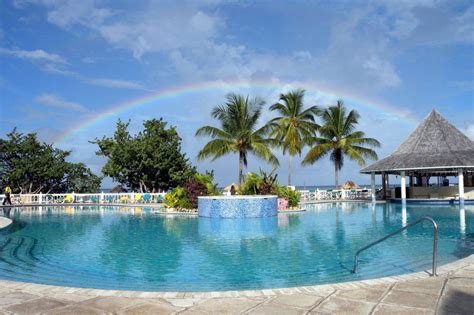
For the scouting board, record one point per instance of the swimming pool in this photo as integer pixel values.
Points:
(135, 249)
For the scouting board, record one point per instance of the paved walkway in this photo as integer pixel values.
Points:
(452, 292)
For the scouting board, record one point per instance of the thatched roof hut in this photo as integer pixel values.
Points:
(435, 147)
(350, 185)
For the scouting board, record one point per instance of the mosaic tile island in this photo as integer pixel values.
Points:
(237, 206)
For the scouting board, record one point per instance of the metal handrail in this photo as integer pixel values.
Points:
(435, 243)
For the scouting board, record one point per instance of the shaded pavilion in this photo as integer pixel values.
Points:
(435, 148)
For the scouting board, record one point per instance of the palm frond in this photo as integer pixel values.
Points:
(217, 148)
(317, 152)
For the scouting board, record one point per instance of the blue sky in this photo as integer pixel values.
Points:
(64, 62)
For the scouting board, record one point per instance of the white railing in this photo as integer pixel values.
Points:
(102, 198)
(334, 194)
(151, 198)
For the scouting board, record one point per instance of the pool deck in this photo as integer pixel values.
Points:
(452, 292)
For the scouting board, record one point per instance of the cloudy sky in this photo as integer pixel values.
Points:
(68, 68)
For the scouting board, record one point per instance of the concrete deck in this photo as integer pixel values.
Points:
(452, 292)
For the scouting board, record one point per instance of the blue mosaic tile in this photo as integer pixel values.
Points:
(238, 207)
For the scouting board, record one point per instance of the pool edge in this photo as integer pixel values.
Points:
(44, 288)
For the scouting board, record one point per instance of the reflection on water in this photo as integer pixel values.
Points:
(462, 221)
(133, 248)
(238, 228)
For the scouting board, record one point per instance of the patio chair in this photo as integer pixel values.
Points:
(138, 197)
(68, 199)
(146, 198)
(124, 199)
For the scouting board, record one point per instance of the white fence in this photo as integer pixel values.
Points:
(145, 198)
(102, 198)
(334, 194)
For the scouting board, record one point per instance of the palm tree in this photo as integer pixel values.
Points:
(238, 133)
(338, 138)
(295, 126)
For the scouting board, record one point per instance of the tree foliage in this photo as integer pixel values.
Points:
(295, 126)
(31, 166)
(338, 138)
(239, 132)
(148, 161)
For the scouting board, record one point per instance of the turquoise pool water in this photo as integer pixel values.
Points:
(134, 249)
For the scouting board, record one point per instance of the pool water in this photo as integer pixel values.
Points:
(135, 249)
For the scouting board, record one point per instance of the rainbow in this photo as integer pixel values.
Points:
(228, 86)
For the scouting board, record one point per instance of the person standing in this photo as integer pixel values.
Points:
(7, 190)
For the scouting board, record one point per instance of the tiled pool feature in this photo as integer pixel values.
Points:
(237, 206)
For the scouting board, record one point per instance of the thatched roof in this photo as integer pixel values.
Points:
(228, 188)
(435, 146)
(350, 185)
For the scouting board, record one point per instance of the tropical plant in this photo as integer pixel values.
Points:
(149, 161)
(251, 184)
(177, 199)
(293, 196)
(208, 180)
(338, 138)
(200, 185)
(238, 132)
(186, 197)
(193, 188)
(259, 184)
(295, 126)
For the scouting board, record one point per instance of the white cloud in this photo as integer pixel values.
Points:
(467, 85)
(103, 82)
(35, 55)
(112, 83)
(161, 29)
(88, 60)
(464, 26)
(53, 100)
(158, 27)
(469, 131)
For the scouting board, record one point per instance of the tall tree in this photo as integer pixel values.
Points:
(149, 161)
(295, 126)
(338, 138)
(32, 167)
(239, 133)
(80, 179)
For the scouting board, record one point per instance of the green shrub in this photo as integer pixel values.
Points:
(292, 195)
(259, 184)
(186, 197)
(251, 184)
(177, 199)
(208, 180)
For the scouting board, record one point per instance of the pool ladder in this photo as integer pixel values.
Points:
(435, 243)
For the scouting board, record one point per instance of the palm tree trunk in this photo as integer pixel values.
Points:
(336, 175)
(241, 167)
(289, 169)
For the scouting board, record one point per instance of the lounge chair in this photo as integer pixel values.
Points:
(68, 199)
(138, 198)
(146, 198)
(124, 199)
